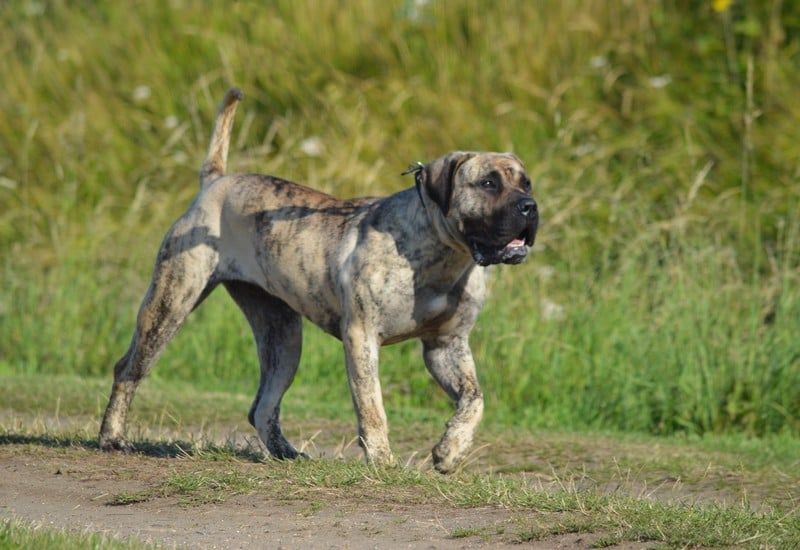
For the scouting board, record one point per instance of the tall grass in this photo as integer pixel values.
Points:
(662, 136)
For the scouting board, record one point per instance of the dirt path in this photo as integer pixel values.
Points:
(73, 488)
(63, 481)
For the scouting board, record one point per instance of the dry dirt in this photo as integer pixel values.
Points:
(74, 488)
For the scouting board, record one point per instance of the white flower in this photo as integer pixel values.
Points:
(659, 81)
(313, 146)
(598, 62)
(8, 183)
(170, 122)
(32, 9)
(415, 9)
(141, 93)
(551, 311)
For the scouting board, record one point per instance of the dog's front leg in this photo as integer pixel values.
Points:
(361, 354)
(449, 360)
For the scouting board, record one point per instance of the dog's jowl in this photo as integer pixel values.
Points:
(367, 271)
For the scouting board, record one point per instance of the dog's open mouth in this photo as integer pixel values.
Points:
(512, 252)
(516, 242)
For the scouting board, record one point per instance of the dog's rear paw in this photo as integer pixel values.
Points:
(281, 449)
(111, 445)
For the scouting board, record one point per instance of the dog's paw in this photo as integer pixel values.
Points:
(111, 445)
(445, 460)
(281, 449)
(383, 458)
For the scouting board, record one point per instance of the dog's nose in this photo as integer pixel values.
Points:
(527, 207)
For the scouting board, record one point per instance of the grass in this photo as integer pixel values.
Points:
(662, 296)
(562, 527)
(167, 422)
(466, 532)
(20, 535)
(621, 518)
(529, 512)
(730, 491)
(193, 489)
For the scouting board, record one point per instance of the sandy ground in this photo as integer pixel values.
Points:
(73, 488)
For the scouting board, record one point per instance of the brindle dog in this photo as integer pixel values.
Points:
(370, 271)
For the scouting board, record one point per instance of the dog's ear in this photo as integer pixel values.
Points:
(437, 177)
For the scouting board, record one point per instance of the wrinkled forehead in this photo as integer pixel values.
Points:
(505, 165)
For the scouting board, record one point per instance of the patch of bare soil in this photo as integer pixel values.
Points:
(56, 484)
(74, 488)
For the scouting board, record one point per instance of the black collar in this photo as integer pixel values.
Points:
(416, 168)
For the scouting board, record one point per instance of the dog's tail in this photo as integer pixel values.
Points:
(214, 165)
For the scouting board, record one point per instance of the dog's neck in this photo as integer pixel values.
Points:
(435, 241)
(443, 228)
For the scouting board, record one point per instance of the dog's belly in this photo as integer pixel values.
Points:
(287, 263)
(311, 296)
(400, 312)
(290, 277)
(308, 293)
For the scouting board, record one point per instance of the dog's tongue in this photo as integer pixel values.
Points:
(515, 243)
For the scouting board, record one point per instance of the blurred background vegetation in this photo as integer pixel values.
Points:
(663, 138)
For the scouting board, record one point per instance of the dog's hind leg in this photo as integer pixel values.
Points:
(278, 334)
(182, 278)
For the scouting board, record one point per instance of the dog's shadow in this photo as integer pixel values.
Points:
(144, 447)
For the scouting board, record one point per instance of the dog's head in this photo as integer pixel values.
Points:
(485, 200)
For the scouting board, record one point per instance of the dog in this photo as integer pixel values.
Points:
(369, 271)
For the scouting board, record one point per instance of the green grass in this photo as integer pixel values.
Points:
(563, 527)
(622, 518)
(193, 489)
(19, 535)
(662, 296)
(178, 420)
(730, 490)
(466, 532)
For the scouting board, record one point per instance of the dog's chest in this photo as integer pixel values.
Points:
(415, 311)
(402, 325)
(412, 298)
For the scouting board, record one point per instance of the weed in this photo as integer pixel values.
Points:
(620, 517)
(20, 535)
(662, 295)
(466, 532)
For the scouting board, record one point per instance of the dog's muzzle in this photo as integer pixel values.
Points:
(513, 238)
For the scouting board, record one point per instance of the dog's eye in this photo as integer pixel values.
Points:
(491, 185)
(526, 185)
